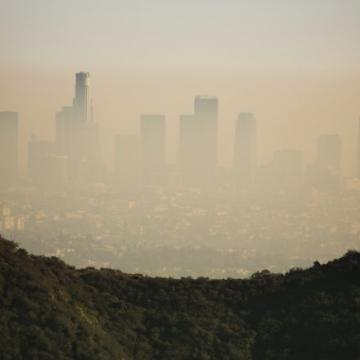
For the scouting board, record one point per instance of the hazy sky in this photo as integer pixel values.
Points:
(296, 64)
(222, 33)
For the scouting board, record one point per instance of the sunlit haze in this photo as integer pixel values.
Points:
(296, 64)
(180, 179)
(166, 126)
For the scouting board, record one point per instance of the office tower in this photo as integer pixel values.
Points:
(207, 107)
(38, 150)
(287, 170)
(8, 148)
(358, 154)
(127, 163)
(198, 144)
(245, 149)
(329, 152)
(81, 103)
(64, 133)
(206, 113)
(55, 170)
(77, 135)
(188, 154)
(325, 173)
(153, 150)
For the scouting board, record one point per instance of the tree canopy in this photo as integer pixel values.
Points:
(49, 310)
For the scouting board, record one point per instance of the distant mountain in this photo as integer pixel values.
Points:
(49, 310)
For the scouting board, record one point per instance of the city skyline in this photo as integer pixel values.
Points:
(166, 166)
(303, 138)
(294, 64)
(74, 156)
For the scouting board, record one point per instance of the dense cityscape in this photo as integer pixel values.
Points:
(191, 218)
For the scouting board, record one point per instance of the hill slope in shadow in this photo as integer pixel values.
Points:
(49, 310)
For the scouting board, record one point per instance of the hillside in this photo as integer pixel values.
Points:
(49, 310)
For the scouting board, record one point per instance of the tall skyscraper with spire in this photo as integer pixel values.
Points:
(81, 102)
(77, 135)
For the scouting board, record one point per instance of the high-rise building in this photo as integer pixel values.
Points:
(188, 155)
(198, 144)
(287, 168)
(8, 148)
(64, 133)
(81, 102)
(38, 150)
(207, 107)
(329, 152)
(245, 149)
(77, 135)
(153, 150)
(127, 163)
(358, 154)
(206, 113)
(325, 173)
(55, 170)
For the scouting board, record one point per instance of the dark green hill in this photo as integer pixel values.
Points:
(49, 310)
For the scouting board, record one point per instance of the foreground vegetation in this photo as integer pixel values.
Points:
(49, 310)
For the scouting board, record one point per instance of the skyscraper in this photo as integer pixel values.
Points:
(188, 155)
(81, 103)
(198, 144)
(245, 149)
(329, 152)
(358, 154)
(153, 153)
(55, 170)
(325, 173)
(77, 135)
(127, 163)
(8, 148)
(206, 113)
(38, 150)
(287, 170)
